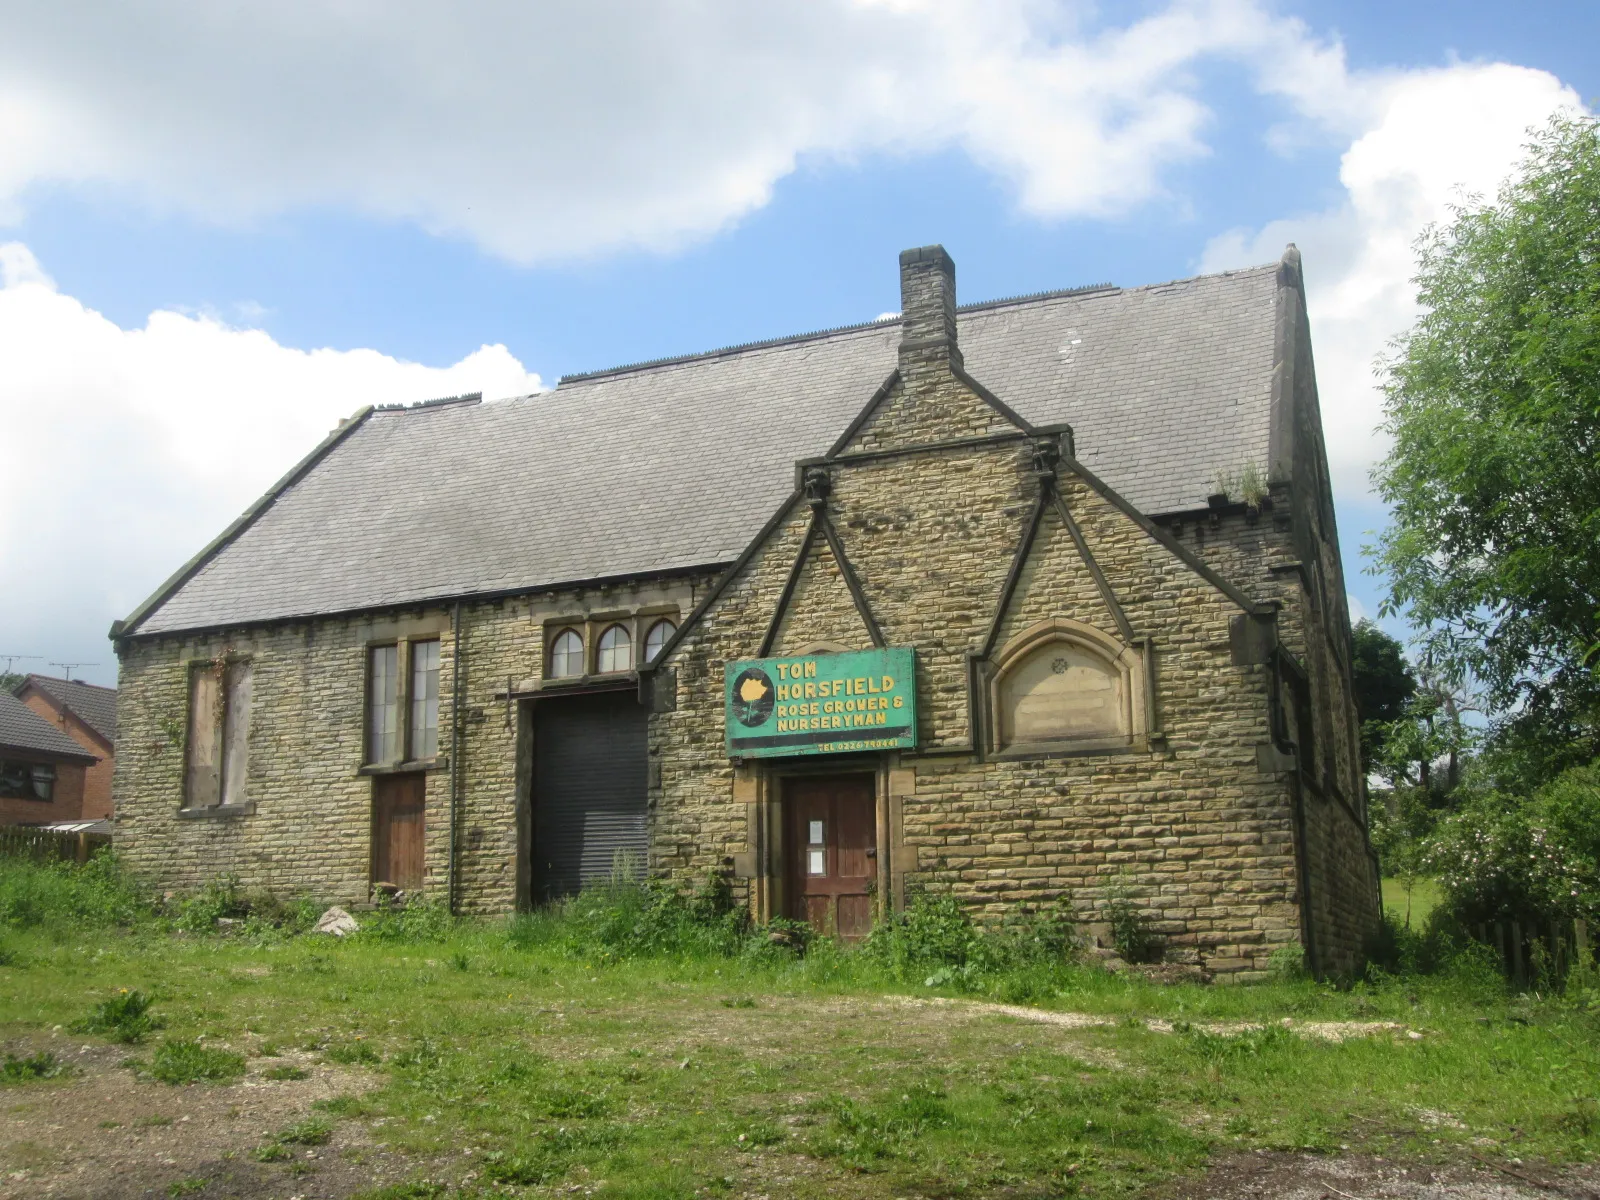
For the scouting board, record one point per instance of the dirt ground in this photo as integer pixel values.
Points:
(1266, 1175)
(104, 1134)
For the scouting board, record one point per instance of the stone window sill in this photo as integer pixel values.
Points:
(1066, 749)
(406, 768)
(216, 812)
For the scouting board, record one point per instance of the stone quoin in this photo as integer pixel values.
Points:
(485, 653)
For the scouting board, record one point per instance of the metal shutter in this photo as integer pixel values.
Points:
(589, 801)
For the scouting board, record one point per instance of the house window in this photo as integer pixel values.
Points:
(616, 650)
(383, 704)
(566, 655)
(218, 746)
(27, 781)
(424, 731)
(657, 638)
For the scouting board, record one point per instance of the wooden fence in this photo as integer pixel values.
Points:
(50, 845)
(1534, 951)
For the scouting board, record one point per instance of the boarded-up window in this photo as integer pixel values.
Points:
(424, 731)
(383, 704)
(237, 680)
(1062, 692)
(217, 750)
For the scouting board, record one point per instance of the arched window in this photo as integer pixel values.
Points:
(657, 638)
(566, 655)
(1063, 685)
(616, 650)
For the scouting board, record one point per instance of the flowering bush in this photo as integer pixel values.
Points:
(1508, 857)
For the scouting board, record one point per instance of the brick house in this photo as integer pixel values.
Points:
(87, 714)
(1025, 600)
(42, 770)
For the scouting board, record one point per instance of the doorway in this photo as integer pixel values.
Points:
(398, 805)
(831, 831)
(591, 812)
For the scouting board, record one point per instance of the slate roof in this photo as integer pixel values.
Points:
(677, 464)
(22, 729)
(95, 706)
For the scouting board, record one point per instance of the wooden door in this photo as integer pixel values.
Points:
(397, 826)
(832, 840)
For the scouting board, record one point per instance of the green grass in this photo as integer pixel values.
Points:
(563, 1060)
(1422, 899)
(184, 1060)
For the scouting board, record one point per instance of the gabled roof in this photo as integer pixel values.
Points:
(22, 729)
(673, 465)
(95, 706)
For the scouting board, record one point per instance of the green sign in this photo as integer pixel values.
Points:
(822, 703)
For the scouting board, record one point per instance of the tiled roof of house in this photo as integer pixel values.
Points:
(22, 729)
(677, 464)
(95, 706)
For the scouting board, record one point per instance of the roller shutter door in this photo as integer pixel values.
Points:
(589, 799)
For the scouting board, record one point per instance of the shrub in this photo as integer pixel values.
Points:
(1509, 857)
(418, 921)
(124, 1017)
(1131, 934)
(184, 1060)
(622, 919)
(933, 936)
(25, 1070)
(1287, 963)
(64, 898)
(218, 898)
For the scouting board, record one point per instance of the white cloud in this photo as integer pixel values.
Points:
(1430, 139)
(545, 131)
(128, 449)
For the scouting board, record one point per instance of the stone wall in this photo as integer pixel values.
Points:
(306, 826)
(1186, 823)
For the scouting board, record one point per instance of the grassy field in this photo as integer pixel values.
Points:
(504, 1059)
(1411, 907)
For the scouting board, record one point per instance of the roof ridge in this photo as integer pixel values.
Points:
(441, 402)
(814, 335)
(32, 675)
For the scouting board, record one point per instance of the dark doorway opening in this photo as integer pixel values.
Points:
(831, 835)
(590, 803)
(398, 809)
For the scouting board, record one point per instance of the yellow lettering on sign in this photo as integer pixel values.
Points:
(899, 702)
(811, 669)
(888, 683)
(811, 690)
(860, 686)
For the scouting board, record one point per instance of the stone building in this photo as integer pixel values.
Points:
(1028, 600)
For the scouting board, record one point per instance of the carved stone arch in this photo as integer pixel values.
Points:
(1063, 686)
(823, 647)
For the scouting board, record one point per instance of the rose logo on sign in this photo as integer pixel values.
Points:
(753, 697)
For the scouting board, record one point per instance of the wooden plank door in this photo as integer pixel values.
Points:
(832, 840)
(397, 829)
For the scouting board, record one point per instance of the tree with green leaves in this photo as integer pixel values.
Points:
(1493, 404)
(1383, 683)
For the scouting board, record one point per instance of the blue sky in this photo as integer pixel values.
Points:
(400, 197)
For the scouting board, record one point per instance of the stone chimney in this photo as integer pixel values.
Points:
(927, 312)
